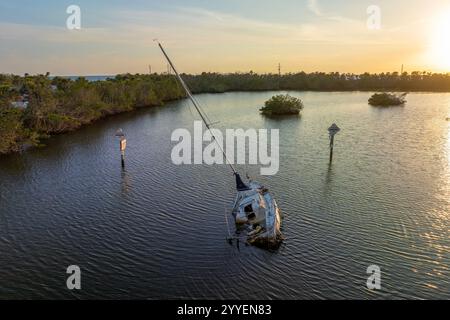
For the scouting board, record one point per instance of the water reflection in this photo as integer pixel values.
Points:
(329, 174)
(125, 181)
(447, 151)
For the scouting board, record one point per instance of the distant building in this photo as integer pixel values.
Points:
(22, 102)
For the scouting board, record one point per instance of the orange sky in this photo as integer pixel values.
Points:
(308, 35)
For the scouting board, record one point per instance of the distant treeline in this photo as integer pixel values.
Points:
(33, 107)
(49, 106)
(319, 81)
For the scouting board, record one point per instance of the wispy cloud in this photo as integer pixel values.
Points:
(196, 26)
(194, 35)
(313, 6)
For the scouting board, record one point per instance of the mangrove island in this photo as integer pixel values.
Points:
(282, 104)
(387, 99)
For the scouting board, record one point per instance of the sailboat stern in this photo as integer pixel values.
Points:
(256, 209)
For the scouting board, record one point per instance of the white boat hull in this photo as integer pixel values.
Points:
(256, 209)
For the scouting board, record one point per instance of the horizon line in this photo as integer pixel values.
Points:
(227, 73)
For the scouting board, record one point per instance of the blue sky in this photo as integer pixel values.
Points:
(224, 36)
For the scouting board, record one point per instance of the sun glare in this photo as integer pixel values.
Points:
(440, 42)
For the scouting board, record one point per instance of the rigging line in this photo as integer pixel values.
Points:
(203, 111)
(196, 105)
(226, 221)
(186, 102)
(190, 110)
(201, 108)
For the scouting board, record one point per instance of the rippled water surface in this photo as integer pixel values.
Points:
(157, 230)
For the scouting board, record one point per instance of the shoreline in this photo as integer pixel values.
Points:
(55, 105)
(43, 139)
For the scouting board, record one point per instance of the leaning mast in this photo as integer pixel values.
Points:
(197, 106)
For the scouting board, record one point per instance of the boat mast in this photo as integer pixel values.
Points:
(196, 105)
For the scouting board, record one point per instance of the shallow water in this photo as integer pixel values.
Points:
(157, 230)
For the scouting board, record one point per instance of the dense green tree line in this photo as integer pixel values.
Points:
(58, 104)
(319, 81)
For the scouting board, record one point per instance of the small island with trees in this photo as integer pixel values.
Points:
(387, 99)
(282, 104)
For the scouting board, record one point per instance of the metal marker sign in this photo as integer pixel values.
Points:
(123, 144)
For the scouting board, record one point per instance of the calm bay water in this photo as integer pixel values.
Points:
(157, 230)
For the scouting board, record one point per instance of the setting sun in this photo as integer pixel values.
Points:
(440, 41)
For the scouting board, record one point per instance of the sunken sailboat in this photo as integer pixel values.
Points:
(254, 209)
